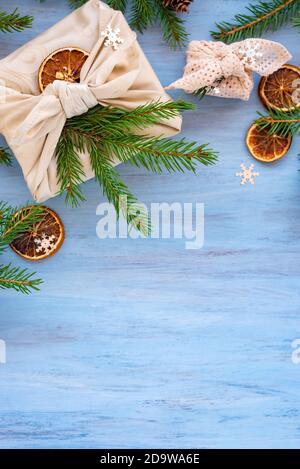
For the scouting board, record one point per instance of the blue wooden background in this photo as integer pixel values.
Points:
(141, 343)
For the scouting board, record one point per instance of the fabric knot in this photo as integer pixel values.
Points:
(231, 65)
(75, 98)
(61, 100)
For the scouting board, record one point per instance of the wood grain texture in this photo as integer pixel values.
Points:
(141, 343)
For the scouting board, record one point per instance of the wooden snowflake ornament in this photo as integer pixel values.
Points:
(247, 174)
(112, 37)
(45, 243)
(250, 54)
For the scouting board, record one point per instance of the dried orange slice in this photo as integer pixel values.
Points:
(43, 240)
(265, 147)
(281, 89)
(62, 64)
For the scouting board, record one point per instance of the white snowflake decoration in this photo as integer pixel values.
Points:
(45, 244)
(250, 54)
(112, 37)
(247, 174)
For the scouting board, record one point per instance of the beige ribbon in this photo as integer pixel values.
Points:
(226, 70)
(32, 122)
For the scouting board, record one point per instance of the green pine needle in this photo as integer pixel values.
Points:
(172, 26)
(156, 154)
(261, 17)
(18, 279)
(202, 92)
(296, 22)
(207, 89)
(10, 22)
(118, 4)
(117, 192)
(107, 134)
(13, 222)
(113, 188)
(280, 122)
(118, 121)
(69, 169)
(5, 157)
(142, 15)
(16, 220)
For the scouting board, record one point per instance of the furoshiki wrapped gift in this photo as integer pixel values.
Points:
(35, 101)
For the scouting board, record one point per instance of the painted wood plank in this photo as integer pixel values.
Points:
(141, 343)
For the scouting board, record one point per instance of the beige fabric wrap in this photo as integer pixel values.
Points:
(32, 122)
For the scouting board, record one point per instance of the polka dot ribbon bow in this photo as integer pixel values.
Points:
(226, 70)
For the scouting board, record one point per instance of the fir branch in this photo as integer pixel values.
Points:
(202, 92)
(108, 120)
(69, 169)
(117, 192)
(280, 122)
(107, 133)
(4, 210)
(296, 22)
(113, 129)
(115, 4)
(112, 186)
(172, 26)
(15, 221)
(18, 279)
(142, 15)
(10, 22)
(262, 17)
(5, 157)
(207, 89)
(155, 153)
(118, 4)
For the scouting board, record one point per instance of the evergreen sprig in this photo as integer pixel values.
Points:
(5, 157)
(207, 89)
(16, 220)
(70, 171)
(18, 279)
(261, 17)
(141, 14)
(118, 193)
(202, 92)
(296, 22)
(13, 222)
(71, 175)
(110, 134)
(280, 122)
(13, 21)
(172, 26)
(120, 5)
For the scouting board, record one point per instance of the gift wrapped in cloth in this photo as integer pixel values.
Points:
(115, 73)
